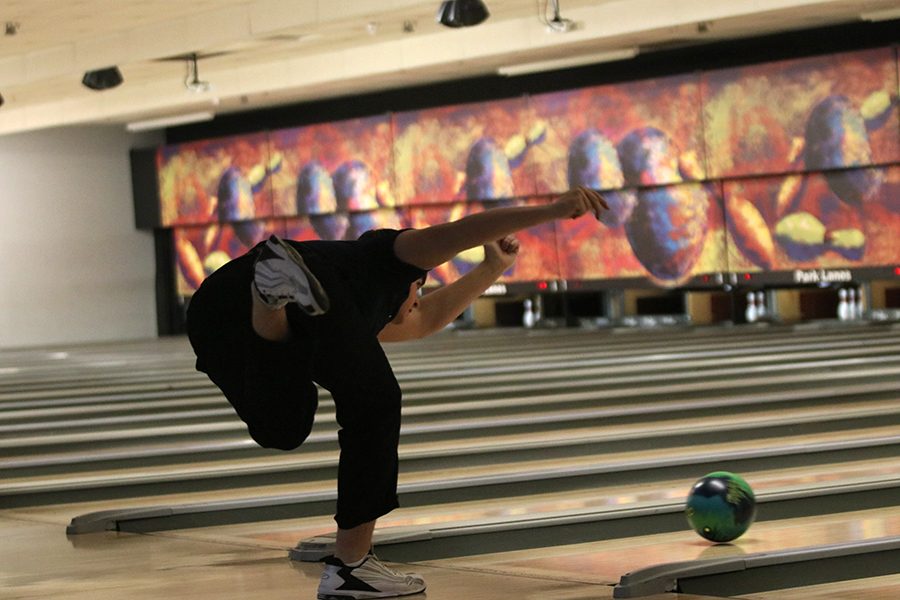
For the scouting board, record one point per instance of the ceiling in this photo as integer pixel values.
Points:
(269, 52)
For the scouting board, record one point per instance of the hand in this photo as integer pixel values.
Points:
(579, 201)
(502, 253)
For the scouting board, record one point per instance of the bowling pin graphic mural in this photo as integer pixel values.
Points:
(471, 152)
(826, 124)
(641, 145)
(467, 158)
(337, 176)
(780, 166)
(223, 185)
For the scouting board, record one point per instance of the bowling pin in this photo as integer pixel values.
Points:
(538, 308)
(859, 303)
(751, 313)
(843, 310)
(528, 315)
(760, 305)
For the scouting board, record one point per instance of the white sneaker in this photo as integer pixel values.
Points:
(280, 276)
(371, 579)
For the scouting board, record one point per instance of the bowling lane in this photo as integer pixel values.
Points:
(590, 352)
(286, 533)
(605, 562)
(453, 467)
(511, 349)
(414, 456)
(886, 587)
(38, 563)
(694, 384)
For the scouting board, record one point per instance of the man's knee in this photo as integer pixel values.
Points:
(280, 439)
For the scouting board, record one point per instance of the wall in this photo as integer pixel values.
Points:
(72, 266)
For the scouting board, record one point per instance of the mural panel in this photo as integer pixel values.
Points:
(467, 152)
(339, 167)
(221, 180)
(625, 135)
(798, 221)
(674, 233)
(809, 114)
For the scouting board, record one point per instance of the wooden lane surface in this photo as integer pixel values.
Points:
(614, 495)
(466, 450)
(39, 563)
(605, 562)
(586, 365)
(423, 390)
(874, 588)
(464, 352)
(456, 469)
(286, 533)
(25, 443)
(460, 352)
(693, 383)
(836, 415)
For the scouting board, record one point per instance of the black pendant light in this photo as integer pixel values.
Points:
(102, 79)
(462, 13)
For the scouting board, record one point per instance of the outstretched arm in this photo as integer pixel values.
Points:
(430, 247)
(441, 307)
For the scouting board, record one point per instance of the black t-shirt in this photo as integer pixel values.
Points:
(363, 272)
(376, 279)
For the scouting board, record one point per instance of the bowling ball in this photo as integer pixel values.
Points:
(315, 190)
(594, 163)
(332, 226)
(649, 157)
(721, 506)
(354, 186)
(235, 197)
(488, 174)
(836, 136)
(667, 231)
(856, 186)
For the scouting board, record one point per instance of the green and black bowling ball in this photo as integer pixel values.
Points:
(721, 506)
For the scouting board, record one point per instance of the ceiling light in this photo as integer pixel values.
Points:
(162, 122)
(102, 79)
(192, 81)
(568, 63)
(462, 13)
(558, 24)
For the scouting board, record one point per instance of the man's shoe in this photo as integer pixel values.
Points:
(281, 276)
(371, 579)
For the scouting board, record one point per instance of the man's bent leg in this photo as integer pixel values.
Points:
(353, 544)
(269, 323)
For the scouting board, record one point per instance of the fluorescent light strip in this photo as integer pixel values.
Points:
(563, 63)
(162, 122)
(881, 15)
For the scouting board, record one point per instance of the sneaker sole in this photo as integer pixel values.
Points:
(318, 302)
(366, 595)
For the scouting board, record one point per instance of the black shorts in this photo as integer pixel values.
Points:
(271, 385)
